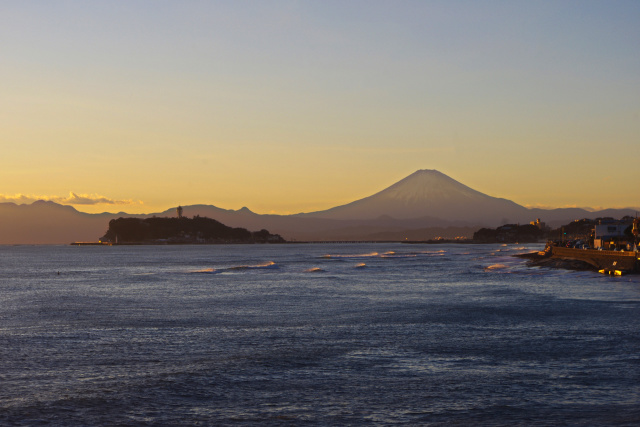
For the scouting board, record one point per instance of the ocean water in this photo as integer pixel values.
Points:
(313, 334)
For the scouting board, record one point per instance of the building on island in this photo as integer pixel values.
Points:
(541, 225)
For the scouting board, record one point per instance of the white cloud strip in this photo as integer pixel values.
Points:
(72, 199)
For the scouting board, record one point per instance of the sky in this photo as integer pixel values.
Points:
(298, 106)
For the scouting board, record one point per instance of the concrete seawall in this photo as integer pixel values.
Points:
(627, 261)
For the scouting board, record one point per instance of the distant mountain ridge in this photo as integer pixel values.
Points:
(421, 206)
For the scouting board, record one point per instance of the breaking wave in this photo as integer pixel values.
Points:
(399, 256)
(269, 264)
(432, 253)
(314, 270)
(266, 265)
(495, 267)
(388, 254)
(369, 255)
(207, 271)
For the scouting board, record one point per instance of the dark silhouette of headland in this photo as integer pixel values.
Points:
(181, 230)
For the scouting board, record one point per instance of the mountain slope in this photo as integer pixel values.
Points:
(49, 223)
(429, 194)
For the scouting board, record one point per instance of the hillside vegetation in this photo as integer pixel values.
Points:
(182, 230)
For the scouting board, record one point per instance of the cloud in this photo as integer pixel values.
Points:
(71, 199)
(543, 206)
(586, 208)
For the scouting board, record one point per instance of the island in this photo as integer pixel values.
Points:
(181, 230)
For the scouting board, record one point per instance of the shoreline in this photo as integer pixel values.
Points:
(536, 259)
(295, 242)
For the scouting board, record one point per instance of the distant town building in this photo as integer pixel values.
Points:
(541, 225)
(609, 235)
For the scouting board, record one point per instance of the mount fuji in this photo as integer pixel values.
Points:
(429, 194)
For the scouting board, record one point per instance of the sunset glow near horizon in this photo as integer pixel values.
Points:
(298, 106)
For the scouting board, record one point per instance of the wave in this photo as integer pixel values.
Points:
(495, 267)
(269, 264)
(265, 265)
(369, 255)
(207, 270)
(388, 254)
(521, 248)
(273, 265)
(440, 252)
(409, 255)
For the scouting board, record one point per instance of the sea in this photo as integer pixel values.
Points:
(313, 334)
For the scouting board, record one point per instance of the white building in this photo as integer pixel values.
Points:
(604, 233)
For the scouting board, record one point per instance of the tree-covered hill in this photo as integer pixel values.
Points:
(509, 233)
(182, 230)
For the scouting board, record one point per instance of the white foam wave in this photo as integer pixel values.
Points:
(369, 255)
(314, 270)
(269, 264)
(399, 256)
(207, 270)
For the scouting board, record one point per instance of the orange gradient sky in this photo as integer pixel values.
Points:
(295, 106)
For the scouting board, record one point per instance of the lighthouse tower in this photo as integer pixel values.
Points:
(179, 210)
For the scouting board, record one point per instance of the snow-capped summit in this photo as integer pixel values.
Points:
(429, 193)
(428, 184)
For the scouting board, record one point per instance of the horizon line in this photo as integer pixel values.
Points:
(245, 208)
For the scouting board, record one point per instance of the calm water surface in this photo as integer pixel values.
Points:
(360, 334)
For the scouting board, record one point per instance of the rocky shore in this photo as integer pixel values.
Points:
(542, 259)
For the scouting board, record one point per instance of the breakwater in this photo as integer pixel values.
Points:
(618, 260)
